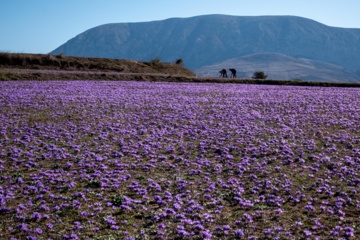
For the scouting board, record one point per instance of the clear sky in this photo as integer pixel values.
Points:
(40, 26)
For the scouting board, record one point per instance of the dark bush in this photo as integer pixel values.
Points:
(179, 61)
(259, 75)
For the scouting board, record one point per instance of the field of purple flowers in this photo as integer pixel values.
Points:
(136, 160)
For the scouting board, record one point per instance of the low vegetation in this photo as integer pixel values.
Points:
(139, 160)
(259, 75)
(18, 66)
(179, 61)
(68, 63)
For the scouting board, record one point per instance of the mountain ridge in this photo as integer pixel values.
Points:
(209, 39)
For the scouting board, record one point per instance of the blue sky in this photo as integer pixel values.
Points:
(40, 26)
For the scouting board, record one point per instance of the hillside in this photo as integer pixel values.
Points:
(206, 40)
(67, 63)
(281, 67)
(45, 67)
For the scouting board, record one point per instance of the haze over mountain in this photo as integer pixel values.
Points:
(281, 67)
(206, 40)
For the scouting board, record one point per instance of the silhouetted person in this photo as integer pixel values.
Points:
(233, 72)
(223, 73)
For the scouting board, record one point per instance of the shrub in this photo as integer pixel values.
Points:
(179, 61)
(259, 75)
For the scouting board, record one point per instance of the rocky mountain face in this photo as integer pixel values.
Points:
(207, 40)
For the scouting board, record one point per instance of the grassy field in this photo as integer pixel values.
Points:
(156, 160)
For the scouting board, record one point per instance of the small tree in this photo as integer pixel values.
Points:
(179, 61)
(259, 75)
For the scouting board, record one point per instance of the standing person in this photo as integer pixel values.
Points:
(233, 72)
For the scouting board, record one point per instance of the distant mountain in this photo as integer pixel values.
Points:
(281, 67)
(205, 40)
